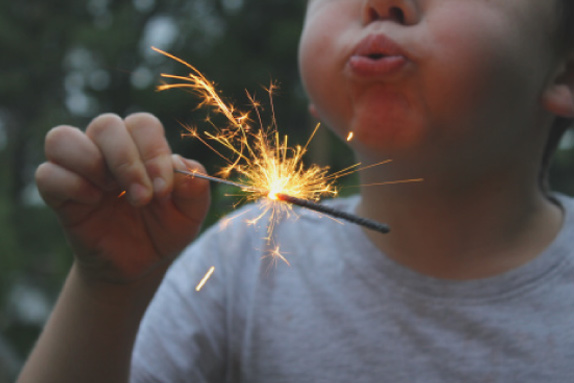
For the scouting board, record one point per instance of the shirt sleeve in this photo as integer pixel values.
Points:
(182, 336)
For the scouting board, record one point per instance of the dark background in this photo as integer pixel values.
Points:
(65, 61)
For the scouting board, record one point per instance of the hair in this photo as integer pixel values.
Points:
(565, 26)
(565, 38)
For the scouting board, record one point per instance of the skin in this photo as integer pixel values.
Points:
(122, 246)
(86, 172)
(469, 66)
(470, 90)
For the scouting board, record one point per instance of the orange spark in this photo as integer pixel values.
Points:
(276, 255)
(205, 278)
(350, 136)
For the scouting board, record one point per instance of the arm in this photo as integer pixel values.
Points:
(122, 245)
(90, 334)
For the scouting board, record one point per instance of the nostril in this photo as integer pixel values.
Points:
(397, 14)
(373, 14)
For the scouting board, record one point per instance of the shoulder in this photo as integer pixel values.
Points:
(252, 241)
(566, 203)
(566, 235)
(255, 228)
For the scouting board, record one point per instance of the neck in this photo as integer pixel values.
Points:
(461, 227)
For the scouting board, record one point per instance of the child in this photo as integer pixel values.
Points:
(474, 283)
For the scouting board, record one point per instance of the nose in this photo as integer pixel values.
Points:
(404, 12)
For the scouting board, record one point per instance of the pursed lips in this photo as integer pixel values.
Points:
(376, 56)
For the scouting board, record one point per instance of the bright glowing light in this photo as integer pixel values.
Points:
(257, 157)
(205, 278)
(273, 195)
(350, 136)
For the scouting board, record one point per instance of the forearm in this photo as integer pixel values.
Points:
(91, 332)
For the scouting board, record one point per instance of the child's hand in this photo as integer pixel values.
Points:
(121, 239)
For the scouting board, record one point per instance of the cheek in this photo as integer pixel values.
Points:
(320, 71)
(473, 70)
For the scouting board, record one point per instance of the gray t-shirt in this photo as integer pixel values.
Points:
(344, 312)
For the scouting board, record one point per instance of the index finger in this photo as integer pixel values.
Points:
(122, 157)
(148, 134)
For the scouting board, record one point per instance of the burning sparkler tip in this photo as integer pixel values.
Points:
(273, 195)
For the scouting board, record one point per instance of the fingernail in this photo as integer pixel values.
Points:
(138, 194)
(180, 162)
(159, 186)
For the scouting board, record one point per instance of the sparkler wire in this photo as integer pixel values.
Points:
(352, 218)
(365, 222)
(216, 179)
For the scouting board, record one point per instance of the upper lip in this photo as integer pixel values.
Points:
(377, 46)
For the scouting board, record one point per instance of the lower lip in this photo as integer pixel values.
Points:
(363, 66)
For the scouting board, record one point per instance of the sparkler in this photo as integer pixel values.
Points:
(369, 224)
(268, 169)
(365, 222)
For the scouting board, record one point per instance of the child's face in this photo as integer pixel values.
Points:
(446, 73)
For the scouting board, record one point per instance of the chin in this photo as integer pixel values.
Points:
(387, 136)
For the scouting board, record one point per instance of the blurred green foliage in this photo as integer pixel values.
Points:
(65, 61)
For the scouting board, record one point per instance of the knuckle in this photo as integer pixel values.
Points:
(126, 172)
(142, 118)
(47, 183)
(157, 165)
(42, 174)
(103, 123)
(155, 153)
(126, 168)
(146, 126)
(95, 170)
(57, 135)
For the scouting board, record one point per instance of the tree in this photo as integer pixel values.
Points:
(66, 61)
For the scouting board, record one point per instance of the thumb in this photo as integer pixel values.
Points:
(190, 194)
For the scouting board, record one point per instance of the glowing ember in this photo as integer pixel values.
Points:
(205, 278)
(350, 136)
(273, 195)
(276, 255)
